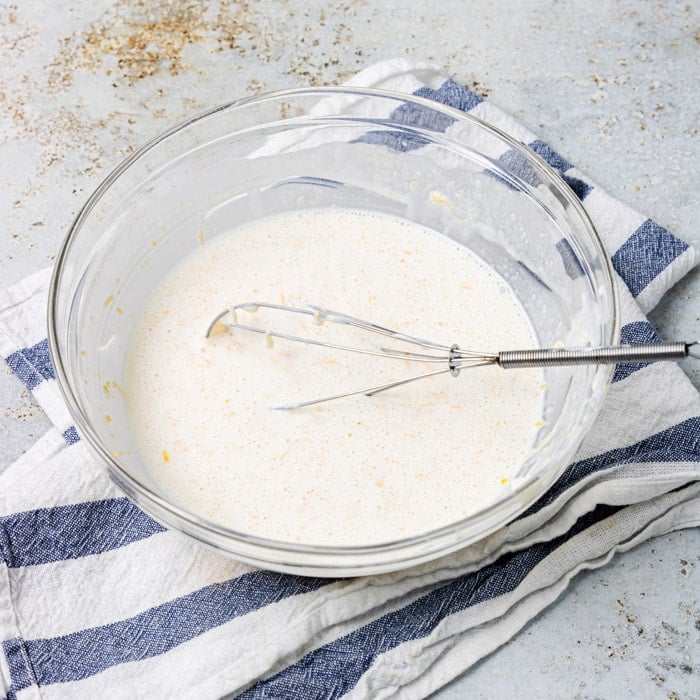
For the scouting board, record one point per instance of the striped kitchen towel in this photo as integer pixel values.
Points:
(97, 599)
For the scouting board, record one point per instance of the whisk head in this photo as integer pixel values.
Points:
(451, 359)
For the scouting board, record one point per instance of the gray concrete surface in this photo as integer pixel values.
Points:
(612, 86)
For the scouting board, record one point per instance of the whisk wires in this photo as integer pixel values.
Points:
(452, 358)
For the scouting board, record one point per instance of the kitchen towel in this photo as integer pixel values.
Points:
(97, 599)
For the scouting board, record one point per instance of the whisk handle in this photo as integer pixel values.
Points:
(648, 352)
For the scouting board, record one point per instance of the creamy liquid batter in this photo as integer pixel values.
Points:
(354, 471)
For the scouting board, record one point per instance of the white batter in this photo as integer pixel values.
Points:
(354, 471)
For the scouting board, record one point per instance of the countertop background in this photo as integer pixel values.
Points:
(612, 86)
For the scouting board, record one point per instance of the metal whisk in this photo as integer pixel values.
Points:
(452, 358)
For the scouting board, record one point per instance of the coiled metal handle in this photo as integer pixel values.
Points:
(648, 352)
(452, 359)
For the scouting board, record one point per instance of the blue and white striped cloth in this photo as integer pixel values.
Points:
(98, 600)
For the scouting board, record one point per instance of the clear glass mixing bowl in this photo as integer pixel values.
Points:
(309, 148)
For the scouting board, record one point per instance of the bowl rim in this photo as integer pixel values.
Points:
(173, 515)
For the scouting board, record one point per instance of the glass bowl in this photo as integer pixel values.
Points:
(310, 148)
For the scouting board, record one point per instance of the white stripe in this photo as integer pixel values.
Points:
(233, 655)
(23, 312)
(638, 407)
(170, 565)
(418, 667)
(598, 540)
(159, 569)
(615, 221)
(610, 486)
(31, 693)
(494, 116)
(452, 655)
(466, 132)
(8, 626)
(629, 309)
(623, 485)
(69, 476)
(49, 398)
(386, 76)
(469, 647)
(43, 449)
(649, 297)
(400, 74)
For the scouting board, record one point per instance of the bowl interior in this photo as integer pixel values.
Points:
(323, 148)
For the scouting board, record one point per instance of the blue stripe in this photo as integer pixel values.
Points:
(71, 435)
(681, 443)
(411, 115)
(395, 140)
(32, 365)
(451, 94)
(581, 189)
(455, 95)
(634, 334)
(534, 275)
(21, 671)
(572, 264)
(68, 532)
(82, 654)
(645, 254)
(334, 669)
(550, 156)
(517, 163)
